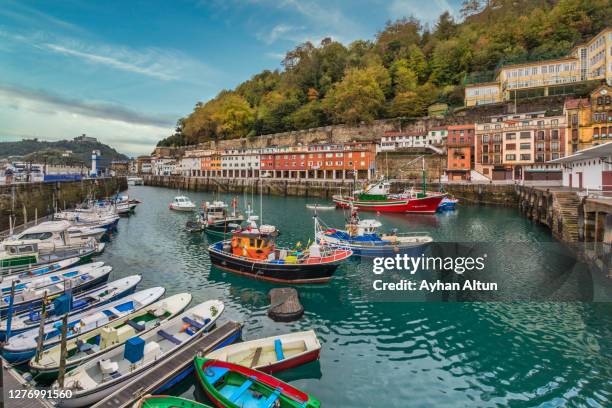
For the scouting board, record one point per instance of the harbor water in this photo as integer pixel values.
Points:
(392, 354)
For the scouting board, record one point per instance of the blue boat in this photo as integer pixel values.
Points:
(79, 303)
(22, 347)
(361, 237)
(448, 204)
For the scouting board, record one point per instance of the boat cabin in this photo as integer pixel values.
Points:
(254, 246)
(17, 253)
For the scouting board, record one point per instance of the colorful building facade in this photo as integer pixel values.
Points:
(460, 152)
(589, 120)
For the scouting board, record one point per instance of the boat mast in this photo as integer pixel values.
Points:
(424, 181)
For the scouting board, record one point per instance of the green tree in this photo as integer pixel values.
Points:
(404, 78)
(357, 98)
(310, 115)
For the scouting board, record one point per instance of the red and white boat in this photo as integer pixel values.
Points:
(272, 354)
(376, 197)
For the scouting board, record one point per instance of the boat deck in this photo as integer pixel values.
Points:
(170, 369)
(11, 380)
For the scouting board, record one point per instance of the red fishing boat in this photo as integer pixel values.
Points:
(377, 197)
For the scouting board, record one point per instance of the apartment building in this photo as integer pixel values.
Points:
(507, 145)
(244, 163)
(437, 136)
(460, 152)
(589, 120)
(590, 61)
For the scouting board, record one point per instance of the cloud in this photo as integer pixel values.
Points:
(157, 63)
(32, 17)
(57, 117)
(52, 102)
(277, 32)
(276, 55)
(427, 11)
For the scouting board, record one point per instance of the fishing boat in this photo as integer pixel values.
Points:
(107, 219)
(234, 386)
(217, 219)
(18, 257)
(361, 237)
(31, 296)
(182, 203)
(167, 401)
(377, 197)
(96, 379)
(272, 354)
(90, 345)
(253, 252)
(78, 304)
(23, 346)
(41, 270)
(320, 207)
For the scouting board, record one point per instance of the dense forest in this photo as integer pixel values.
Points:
(404, 69)
(40, 151)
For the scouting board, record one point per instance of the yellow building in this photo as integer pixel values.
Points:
(589, 120)
(545, 76)
(591, 61)
(595, 57)
(482, 94)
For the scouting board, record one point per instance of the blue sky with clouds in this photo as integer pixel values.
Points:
(124, 71)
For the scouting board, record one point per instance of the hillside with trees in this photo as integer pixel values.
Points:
(39, 151)
(404, 69)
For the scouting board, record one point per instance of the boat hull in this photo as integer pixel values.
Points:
(425, 205)
(280, 273)
(383, 251)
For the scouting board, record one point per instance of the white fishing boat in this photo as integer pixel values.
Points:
(78, 304)
(32, 296)
(22, 347)
(96, 379)
(182, 203)
(90, 345)
(106, 219)
(320, 207)
(272, 354)
(22, 281)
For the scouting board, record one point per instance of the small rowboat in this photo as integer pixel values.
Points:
(167, 401)
(22, 347)
(320, 207)
(272, 354)
(78, 304)
(234, 386)
(99, 378)
(33, 294)
(90, 345)
(43, 270)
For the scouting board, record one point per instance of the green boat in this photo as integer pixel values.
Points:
(234, 386)
(167, 401)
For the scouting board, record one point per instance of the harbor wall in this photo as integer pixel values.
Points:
(493, 194)
(26, 200)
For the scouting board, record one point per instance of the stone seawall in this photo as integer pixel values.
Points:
(26, 200)
(473, 194)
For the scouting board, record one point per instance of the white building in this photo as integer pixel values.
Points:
(243, 163)
(437, 136)
(164, 166)
(397, 140)
(589, 169)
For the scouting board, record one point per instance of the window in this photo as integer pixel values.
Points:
(510, 157)
(485, 139)
(525, 135)
(540, 135)
(510, 136)
(485, 149)
(525, 146)
(511, 146)
(555, 134)
(554, 146)
(525, 157)
(539, 158)
(485, 159)
(540, 146)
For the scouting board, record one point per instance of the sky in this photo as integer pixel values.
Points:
(125, 71)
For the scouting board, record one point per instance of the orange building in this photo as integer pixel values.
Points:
(460, 152)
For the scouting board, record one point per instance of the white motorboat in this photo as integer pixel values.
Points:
(182, 203)
(56, 235)
(96, 379)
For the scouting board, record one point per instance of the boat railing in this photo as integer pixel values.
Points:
(326, 252)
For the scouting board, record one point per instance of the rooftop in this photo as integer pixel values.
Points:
(595, 152)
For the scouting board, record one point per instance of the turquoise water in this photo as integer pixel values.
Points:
(403, 354)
